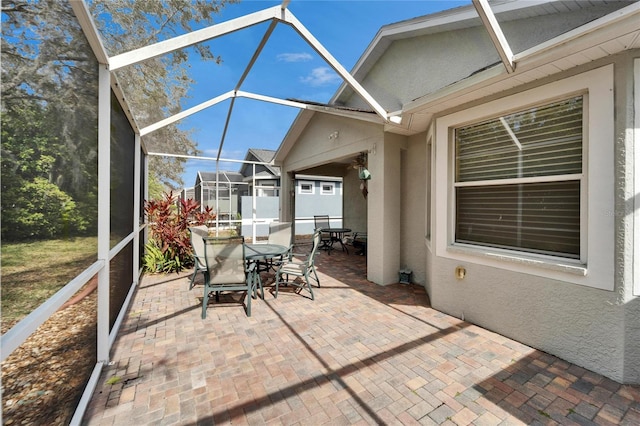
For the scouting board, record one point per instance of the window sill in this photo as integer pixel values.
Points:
(545, 262)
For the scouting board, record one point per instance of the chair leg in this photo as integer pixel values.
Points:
(258, 281)
(277, 283)
(205, 302)
(193, 278)
(249, 297)
(306, 280)
(316, 275)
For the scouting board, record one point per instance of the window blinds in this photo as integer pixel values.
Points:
(541, 141)
(506, 193)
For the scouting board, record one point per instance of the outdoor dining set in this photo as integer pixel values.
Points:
(231, 264)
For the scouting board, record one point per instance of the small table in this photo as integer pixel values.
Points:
(336, 234)
(259, 252)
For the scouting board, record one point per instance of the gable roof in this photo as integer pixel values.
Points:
(223, 177)
(262, 156)
(456, 19)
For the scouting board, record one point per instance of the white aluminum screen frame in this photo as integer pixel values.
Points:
(636, 204)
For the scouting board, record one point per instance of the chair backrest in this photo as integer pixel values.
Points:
(321, 222)
(280, 233)
(197, 242)
(225, 260)
(317, 236)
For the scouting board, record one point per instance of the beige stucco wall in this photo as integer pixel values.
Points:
(314, 147)
(384, 210)
(354, 206)
(413, 170)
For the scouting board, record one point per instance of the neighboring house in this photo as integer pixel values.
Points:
(223, 186)
(262, 180)
(317, 195)
(314, 195)
(512, 194)
(259, 171)
(187, 193)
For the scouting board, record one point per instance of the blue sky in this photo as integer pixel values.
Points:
(287, 68)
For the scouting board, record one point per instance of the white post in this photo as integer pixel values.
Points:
(217, 198)
(136, 208)
(104, 209)
(254, 204)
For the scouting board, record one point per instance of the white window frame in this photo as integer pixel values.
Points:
(596, 266)
(333, 188)
(306, 182)
(429, 188)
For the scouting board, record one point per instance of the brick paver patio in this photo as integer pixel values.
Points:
(359, 354)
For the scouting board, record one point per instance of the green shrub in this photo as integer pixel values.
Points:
(39, 209)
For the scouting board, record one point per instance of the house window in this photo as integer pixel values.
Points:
(306, 187)
(518, 180)
(327, 188)
(525, 182)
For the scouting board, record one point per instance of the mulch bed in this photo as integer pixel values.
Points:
(44, 378)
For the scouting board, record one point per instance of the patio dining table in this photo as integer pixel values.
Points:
(260, 252)
(336, 235)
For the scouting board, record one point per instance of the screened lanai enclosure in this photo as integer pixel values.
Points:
(76, 161)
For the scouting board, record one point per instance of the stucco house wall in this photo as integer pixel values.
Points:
(314, 147)
(355, 206)
(413, 169)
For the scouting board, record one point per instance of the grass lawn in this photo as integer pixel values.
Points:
(32, 272)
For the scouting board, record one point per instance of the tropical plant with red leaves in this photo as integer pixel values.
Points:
(169, 246)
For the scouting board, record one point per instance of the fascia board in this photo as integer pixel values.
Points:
(189, 39)
(615, 18)
(318, 178)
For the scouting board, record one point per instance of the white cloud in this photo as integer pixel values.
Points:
(321, 77)
(295, 57)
